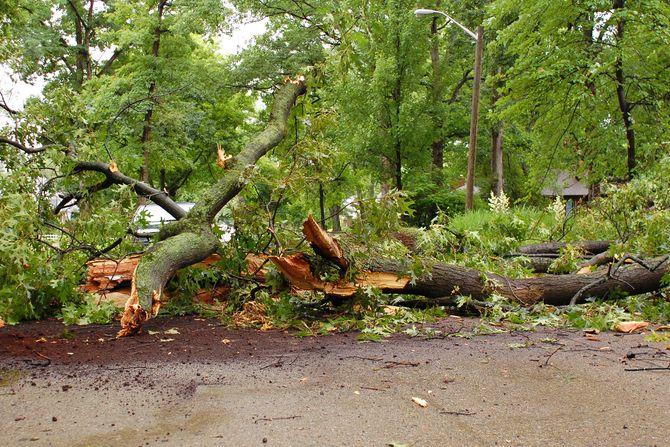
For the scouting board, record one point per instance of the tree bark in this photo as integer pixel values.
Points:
(497, 180)
(190, 240)
(590, 247)
(147, 127)
(322, 205)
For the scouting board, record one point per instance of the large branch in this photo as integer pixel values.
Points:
(157, 266)
(217, 196)
(23, 147)
(160, 198)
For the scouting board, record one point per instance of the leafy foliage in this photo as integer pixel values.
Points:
(90, 311)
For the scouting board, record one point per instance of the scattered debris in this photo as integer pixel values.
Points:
(253, 314)
(284, 418)
(393, 364)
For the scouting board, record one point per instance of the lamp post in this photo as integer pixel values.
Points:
(478, 37)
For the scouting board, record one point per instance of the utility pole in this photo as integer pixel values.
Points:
(474, 120)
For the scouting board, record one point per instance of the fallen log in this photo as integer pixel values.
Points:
(450, 280)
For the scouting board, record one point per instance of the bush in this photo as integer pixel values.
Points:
(32, 283)
(428, 202)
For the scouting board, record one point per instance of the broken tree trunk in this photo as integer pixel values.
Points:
(190, 239)
(445, 281)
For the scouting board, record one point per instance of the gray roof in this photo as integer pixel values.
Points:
(566, 184)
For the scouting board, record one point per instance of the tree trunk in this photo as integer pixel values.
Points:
(624, 105)
(497, 181)
(147, 127)
(322, 205)
(335, 216)
(446, 282)
(190, 240)
(437, 90)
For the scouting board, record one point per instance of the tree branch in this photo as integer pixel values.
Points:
(26, 149)
(160, 198)
(65, 200)
(103, 71)
(459, 86)
(217, 196)
(5, 106)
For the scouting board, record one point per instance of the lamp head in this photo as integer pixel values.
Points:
(425, 12)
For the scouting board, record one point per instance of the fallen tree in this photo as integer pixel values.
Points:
(442, 283)
(190, 240)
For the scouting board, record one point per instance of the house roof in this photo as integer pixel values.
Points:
(566, 184)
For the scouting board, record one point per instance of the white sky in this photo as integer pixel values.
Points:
(242, 36)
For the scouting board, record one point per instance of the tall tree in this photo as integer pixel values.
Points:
(605, 64)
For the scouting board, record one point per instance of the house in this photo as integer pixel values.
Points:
(569, 187)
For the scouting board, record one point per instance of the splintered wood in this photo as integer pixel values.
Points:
(297, 270)
(105, 274)
(324, 244)
(112, 279)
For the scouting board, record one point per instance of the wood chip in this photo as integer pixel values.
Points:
(628, 327)
(420, 402)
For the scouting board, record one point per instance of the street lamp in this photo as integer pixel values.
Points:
(478, 37)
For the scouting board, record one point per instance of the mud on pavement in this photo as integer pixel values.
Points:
(189, 381)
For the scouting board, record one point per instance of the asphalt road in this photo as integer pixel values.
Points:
(545, 388)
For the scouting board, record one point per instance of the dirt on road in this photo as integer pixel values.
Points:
(191, 382)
